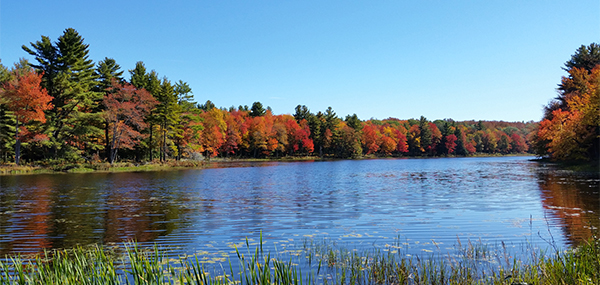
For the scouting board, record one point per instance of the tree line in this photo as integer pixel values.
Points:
(64, 107)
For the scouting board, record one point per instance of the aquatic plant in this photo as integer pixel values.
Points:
(324, 262)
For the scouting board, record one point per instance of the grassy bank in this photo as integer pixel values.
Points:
(97, 167)
(321, 263)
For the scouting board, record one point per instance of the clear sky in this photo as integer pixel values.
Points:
(482, 60)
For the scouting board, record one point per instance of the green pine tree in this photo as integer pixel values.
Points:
(70, 79)
(425, 133)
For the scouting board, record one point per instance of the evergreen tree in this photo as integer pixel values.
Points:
(139, 77)
(460, 143)
(302, 113)
(353, 122)
(187, 110)
(585, 57)
(257, 110)
(69, 77)
(584, 60)
(107, 70)
(206, 106)
(184, 93)
(167, 114)
(425, 134)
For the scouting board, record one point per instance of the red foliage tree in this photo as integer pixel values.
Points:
(126, 108)
(518, 143)
(402, 145)
(451, 143)
(436, 138)
(307, 143)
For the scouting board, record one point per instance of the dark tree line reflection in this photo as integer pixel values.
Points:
(574, 200)
(62, 211)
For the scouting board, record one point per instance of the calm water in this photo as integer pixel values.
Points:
(361, 203)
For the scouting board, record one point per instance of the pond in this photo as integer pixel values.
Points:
(422, 203)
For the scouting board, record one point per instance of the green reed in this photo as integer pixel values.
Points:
(323, 262)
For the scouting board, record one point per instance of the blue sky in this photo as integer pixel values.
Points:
(482, 60)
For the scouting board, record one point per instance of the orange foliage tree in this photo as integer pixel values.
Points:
(572, 130)
(27, 100)
(370, 139)
(213, 134)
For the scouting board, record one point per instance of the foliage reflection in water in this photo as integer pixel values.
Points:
(427, 203)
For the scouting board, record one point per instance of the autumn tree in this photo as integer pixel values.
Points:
(346, 141)
(573, 131)
(413, 138)
(489, 141)
(213, 133)
(436, 139)
(261, 141)
(27, 100)
(108, 72)
(371, 139)
(518, 144)
(450, 143)
(237, 129)
(125, 110)
(504, 144)
(570, 129)
(281, 134)
(402, 144)
(387, 145)
(6, 119)
(141, 79)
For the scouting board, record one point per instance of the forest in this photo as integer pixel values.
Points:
(65, 108)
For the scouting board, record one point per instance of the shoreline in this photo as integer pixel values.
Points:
(119, 167)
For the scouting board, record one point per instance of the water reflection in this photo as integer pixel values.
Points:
(574, 199)
(362, 202)
(62, 211)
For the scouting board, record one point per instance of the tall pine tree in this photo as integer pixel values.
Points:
(69, 78)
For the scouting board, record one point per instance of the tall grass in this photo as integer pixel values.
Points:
(323, 263)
